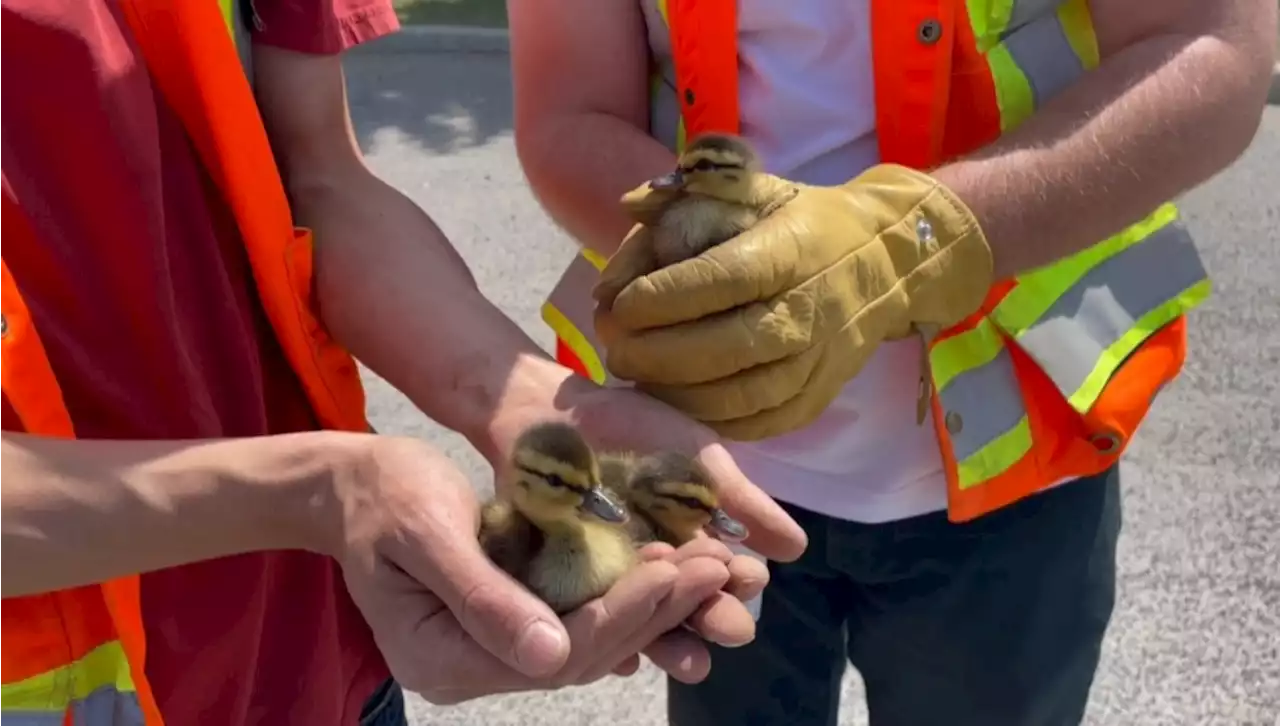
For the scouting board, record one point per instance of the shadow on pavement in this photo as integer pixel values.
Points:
(442, 102)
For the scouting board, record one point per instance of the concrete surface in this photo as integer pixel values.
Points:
(1196, 637)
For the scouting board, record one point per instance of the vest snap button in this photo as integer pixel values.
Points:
(688, 96)
(929, 32)
(953, 422)
(1105, 442)
(4, 325)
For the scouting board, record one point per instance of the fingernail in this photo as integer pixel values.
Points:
(541, 649)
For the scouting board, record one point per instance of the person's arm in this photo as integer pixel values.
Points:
(79, 512)
(394, 292)
(1178, 95)
(580, 74)
(391, 287)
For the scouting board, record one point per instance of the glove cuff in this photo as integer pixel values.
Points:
(945, 262)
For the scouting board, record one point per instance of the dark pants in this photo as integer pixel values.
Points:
(997, 622)
(385, 707)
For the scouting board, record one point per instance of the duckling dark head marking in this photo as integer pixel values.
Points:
(676, 492)
(557, 476)
(714, 165)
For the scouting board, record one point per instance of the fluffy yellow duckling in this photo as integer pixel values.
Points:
(554, 527)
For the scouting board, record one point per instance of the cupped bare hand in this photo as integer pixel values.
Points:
(454, 627)
(615, 418)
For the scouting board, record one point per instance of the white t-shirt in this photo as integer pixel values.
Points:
(807, 104)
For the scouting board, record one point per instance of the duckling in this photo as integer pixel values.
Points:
(670, 498)
(556, 529)
(710, 198)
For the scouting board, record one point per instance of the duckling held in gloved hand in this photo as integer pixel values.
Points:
(715, 193)
(670, 498)
(554, 527)
(710, 198)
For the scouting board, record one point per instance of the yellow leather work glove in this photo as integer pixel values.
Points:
(756, 336)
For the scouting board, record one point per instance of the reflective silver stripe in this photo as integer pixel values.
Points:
(987, 402)
(1086, 320)
(108, 707)
(1044, 55)
(104, 707)
(31, 718)
(1025, 11)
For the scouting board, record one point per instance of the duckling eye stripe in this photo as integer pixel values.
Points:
(552, 479)
(690, 502)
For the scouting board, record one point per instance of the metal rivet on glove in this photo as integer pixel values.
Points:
(924, 231)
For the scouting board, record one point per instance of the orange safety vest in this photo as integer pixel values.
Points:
(1050, 379)
(78, 655)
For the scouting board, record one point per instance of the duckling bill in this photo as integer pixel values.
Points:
(555, 528)
(670, 497)
(709, 198)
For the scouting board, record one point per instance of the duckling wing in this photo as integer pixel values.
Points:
(508, 538)
(695, 224)
(616, 469)
(617, 474)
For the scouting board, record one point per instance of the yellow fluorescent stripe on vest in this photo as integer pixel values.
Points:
(996, 457)
(229, 15)
(1090, 328)
(988, 19)
(104, 707)
(596, 259)
(575, 339)
(982, 405)
(1039, 289)
(1088, 392)
(105, 665)
(568, 311)
(1013, 91)
(1077, 23)
(950, 357)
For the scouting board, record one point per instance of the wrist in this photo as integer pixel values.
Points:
(310, 502)
(530, 387)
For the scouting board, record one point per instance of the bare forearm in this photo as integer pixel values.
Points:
(1152, 121)
(394, 291)
(580, 165)
(78, 512)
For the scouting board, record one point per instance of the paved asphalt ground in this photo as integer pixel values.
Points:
(1196, 636)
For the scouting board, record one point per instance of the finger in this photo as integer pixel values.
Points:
(774, 255)
(715, 346)
(682, 655)
(748, 392)
(772, 532)
(457, 668)
(702, 546)
(600, 629)
(699, 579)
(502, 616)
(633, 259)
(656, 551)
(724, 620)
(628, 667)
(748, 577)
